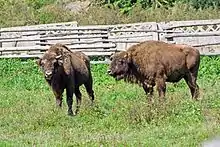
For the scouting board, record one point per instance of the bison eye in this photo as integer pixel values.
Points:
(42, 64)
(56, 63)
(121, 61)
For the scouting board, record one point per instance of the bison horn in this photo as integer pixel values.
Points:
(126, 55)
(60, 62)
(58, 57)
(38, 61)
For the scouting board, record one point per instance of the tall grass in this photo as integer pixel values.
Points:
(17, 13)
(120, 116)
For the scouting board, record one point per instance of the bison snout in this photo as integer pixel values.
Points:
(48, 74)
(110, 72)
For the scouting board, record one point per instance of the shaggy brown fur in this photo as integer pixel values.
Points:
(153, 63)
(64, 69)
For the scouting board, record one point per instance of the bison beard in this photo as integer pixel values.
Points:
(153, 63)
(64, 69)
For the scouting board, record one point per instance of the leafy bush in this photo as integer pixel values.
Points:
(203, 3)
(127, 5)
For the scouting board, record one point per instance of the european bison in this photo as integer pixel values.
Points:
(64, 69)
(153, 63)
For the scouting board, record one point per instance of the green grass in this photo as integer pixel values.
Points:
(121, 115)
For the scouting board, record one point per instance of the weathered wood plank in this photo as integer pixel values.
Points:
(75, 33)
(53, 38)
(40, 55)
(15, 37)
(3, 30)
(123, 25)
(208, 51)
(43, 48)
(129, 36)
(54, 35)
(178, 24)
(75, 42)
(0, 42)
(93, 42)
(146, 31)
(198, 34)
(206, 44)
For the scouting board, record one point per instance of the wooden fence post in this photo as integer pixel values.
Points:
(106, 38)
(0, 42)
(43, 41)
(162, 26)
(155, 34)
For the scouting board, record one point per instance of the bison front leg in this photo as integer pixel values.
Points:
(58, 96)
(69, 99)
(161, 87)
(148, 91)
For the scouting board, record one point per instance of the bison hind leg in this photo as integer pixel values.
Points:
(161, 87)
(149, 89)
(89, 89)
(190, 79)
(78, 99)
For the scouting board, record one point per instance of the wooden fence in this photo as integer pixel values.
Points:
(202, 34)
(103, 40)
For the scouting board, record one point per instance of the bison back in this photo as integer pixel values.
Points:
(158, 58)
(83, 57)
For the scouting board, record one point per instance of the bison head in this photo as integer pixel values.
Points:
(119, 66)
(49, 64)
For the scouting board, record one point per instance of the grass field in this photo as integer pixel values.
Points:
(121, 115)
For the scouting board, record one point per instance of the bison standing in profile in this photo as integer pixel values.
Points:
(64, 69)
(153, 63)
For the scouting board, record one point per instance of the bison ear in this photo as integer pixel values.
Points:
(128, 57)
(111, 54)
(111, 57)
(38, 62)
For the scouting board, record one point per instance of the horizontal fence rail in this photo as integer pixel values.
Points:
(104, 40)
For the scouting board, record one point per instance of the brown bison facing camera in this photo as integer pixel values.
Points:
(153, 63)
(64, 69)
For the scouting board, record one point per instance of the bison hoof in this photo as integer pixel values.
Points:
(70, 113)
(92, 103)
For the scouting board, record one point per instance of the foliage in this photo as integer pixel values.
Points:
(203, 3)
(121, 115)
(127, 5)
